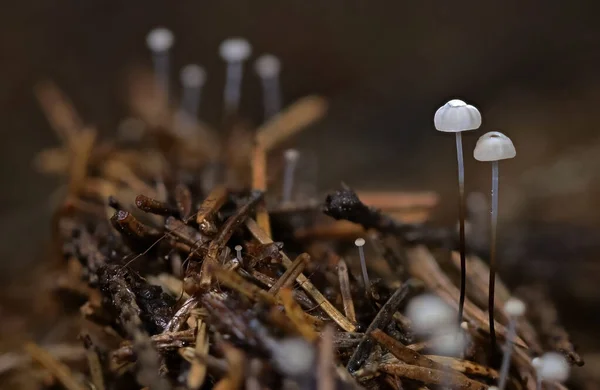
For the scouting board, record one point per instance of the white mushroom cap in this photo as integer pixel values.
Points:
(267, 66)
(514, 307)
(553, 367)
(456, 116)
(359, 242)
(291, 154)
(430, 314)
(494, 146)
(192, 75)
(160, 39)
(235, 49)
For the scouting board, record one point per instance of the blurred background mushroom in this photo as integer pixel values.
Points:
(385, 66)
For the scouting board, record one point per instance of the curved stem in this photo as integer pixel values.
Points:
(492, 282)
(461, 212)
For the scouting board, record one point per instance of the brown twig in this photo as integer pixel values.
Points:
(197, 373)
(345, 290)
(290, 121)
(404, 354)
(465, 366)
(430, 376)
(303, 281)
(297, 315)
(381, 320)
(208, 209)
(290, 274)
(225, 234)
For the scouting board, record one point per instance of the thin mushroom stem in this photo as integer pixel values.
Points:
(360, 242)
(493, 226)
(461, 212)
(512, 332)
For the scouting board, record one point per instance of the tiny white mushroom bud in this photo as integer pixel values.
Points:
(554, 367)
(514, 307)
(291, 157)
(494, 146)
(160, 39)
(429, 314)
(238, 250)
(360, 243)
(192, 78)
(192, 75)
(456, 116)
(267, 66)
(235, 49)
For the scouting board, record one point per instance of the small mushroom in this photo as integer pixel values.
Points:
(515, 309)
(159, 41)
(291, 157)
(268, 68)
(553, 367)
(360, 243)
(192, 78)
(493, 147)
(455, 117)
(234, 51)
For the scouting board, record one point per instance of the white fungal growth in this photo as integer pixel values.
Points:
(294, 357)
(514, 307)
(429, 314)
(494, 146)
(160, 39)
(456, 116)
(553, 367)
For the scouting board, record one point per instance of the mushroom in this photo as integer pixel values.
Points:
(455, 117)
(360, 243)
(515, 309)
(552, 366)
(234, 51)
(493, 147)
(268, 67)
(291, 157)
(192, 78)
(159, 41)
(238, 253)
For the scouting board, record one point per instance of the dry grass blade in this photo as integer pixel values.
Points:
(390, 201)
(259, 182)
(310, 289)
(290, 275)
(59, 110)
(56, 368)
(465, 366)
(290, 121)
(297, 315)
(422, 265)
(430, 376)
(213, 202)
(402, 353)
(326, 361)
(197, 373)
(337, 230)
(345, 290)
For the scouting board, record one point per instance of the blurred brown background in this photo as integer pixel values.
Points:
(532, 68)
